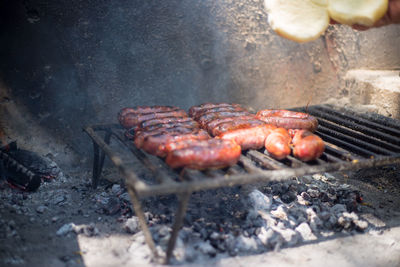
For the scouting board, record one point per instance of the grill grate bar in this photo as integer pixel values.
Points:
(354, 140)
(160, 175)
(353, 148)
(330, 157)
(357, 124)
(263, 176)
(248, 164)
(265, 160)
(324, 124)
(380, 123)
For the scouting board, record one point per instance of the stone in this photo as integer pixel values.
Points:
(206, 248)
(125, 197)
(345, 222)
(132, 225)
(305, 231)
(87, 230)
(246, 244)
(360, 225)
(59, 199)
(280, 213)
(214, 236)
(258, 201)
(314, 193)
(267, 218)
(290, 236)
(374, 90)
(41, 209)
(66, 229)
(116, 189)
(338, 209)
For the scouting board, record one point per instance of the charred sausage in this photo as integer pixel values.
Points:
(143, 110)
(198, 114)
(193, 110)
(233, 125)
(288, 119)
(214, 123)
(212, 153)
(132, 119)
(187, 124)
(155, 144)
(307, 146)
(140, 136)
(277, 143)
(165, 120)
(206, 118)
(249, 138)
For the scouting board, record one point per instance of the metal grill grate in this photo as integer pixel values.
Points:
(353, 141)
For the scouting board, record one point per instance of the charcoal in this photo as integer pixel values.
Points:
(42, 166)
(206, 248)
(246, 244)
(41, 209)
(289, 197)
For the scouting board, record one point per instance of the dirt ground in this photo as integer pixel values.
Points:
(30, 223)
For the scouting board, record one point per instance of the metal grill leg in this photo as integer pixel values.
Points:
(95, 174)
(107, 138)
(180, 215)
(142, 220)
(98, 160)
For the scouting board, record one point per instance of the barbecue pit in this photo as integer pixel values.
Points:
(352, 143)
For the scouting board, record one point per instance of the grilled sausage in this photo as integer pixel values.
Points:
(165, 120)
(171, 146)
(288, 119)
(249, 138)
(206, 118)
(277, 143)
(193, 110)
(233, 125)
(212, 153)
(140, 136)
(132, 119)
(143, 109)
(130, 133)
(187, 124)
(214, 123)
(307, 146)
(155, 144)
(198, 114)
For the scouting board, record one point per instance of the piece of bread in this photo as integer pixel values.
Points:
(362, 12)
(297, 20)
(306, 20)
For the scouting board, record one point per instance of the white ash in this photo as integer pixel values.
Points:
(223, 222)
(275, 216)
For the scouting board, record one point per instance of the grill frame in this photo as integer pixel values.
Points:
(353, 141)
